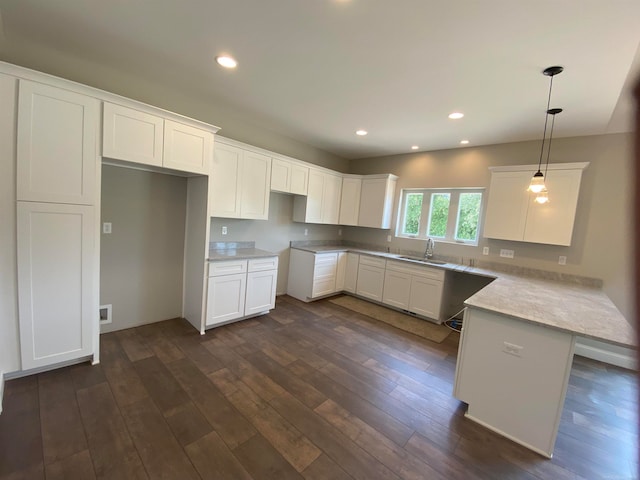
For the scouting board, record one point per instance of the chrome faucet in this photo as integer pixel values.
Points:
(428, 252)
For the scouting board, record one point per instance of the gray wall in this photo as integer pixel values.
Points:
(602, 239)
(141, 262)
(274, 234)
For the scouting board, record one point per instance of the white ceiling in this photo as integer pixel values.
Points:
(317, 70)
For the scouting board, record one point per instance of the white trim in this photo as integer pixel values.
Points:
(1, 389)
(45, 78)
(551, 166)
(606, 356)
(46, 368)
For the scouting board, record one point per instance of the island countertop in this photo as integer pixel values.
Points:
(571, 307)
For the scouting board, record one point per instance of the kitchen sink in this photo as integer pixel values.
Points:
(423, 260)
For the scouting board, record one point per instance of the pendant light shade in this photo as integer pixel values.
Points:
(537, 184)
(542, 197)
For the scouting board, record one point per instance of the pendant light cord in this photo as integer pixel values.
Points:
(544, 133)
(553, 121)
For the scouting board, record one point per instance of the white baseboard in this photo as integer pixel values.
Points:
(1, 389)
(613, 358)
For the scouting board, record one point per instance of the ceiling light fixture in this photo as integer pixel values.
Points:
(537, 181)
(456, 115)
(361, 132)
(415, 147)
(226, 61)
(464, 142)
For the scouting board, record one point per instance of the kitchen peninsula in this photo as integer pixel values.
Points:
(517, 344)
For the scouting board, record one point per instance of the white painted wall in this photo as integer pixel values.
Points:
(9, 335)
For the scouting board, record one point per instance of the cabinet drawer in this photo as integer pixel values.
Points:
(227, 267)
(326, 259)
(261, 264)
(372, 261)
(324, 286)
(416, 270)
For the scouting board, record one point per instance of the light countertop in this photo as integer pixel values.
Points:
(238, 254)
(580, 309)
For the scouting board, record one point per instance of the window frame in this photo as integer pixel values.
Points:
(452, 218)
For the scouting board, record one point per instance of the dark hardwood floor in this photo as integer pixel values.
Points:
(309, 391)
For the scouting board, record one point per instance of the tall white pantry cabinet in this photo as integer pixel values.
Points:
(57, 168)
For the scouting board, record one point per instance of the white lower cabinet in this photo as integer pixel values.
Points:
(313, 275)
(351, 272)
(371, 277)
(415, 288)
(56, 270)
(341, 271)
(240, 288)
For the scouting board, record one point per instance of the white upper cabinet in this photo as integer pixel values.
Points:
(376, 201)
(512, 213)
(289, 176)
(350, 199)
(187, 148)
(136, 136)
(56, 145)
(322, 203)
(240, 183)
(132, 135)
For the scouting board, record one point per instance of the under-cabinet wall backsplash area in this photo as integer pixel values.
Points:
(273, 234)
(141, 260)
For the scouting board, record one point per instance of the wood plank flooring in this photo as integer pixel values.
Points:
(309, 391)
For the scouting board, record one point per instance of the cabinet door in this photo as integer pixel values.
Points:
(376, 202)
(261, 291)
(370, 282)
(225, 181)
(313, 211)
(350, 201)
(299, 179)
(280, 175)
(425, 297)
(226, 298)
(56, 145)
(341, 271)
(507, 205)
(255, 187)
(397, 287)
(331, 199)
(132, 135)
(187, 148)
(58, 311)
(351, 274)
(552, 223)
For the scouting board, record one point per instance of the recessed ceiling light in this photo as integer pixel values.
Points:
(361, 132)
(414, 147)
(226, 61)
(456, 115)
(464, 142)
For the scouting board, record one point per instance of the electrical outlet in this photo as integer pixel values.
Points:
(224, 230)
(512, 349)
(562, 260)
(506, 253)
(306, 232)
(485, 250)
(106, 227)
(388, 238)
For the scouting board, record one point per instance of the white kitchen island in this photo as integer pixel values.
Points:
(516, 352)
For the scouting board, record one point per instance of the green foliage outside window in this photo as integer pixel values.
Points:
(468, 213)
(439, 215)
(412, 214)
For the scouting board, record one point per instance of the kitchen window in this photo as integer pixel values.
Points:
(444, 214)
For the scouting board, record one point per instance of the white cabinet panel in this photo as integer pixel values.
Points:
(225, 178)
(261, 291)
(512, 213)
(350, 200)
(56, 145)
(254, 186)
(351, 273)
(426, 297)
(314, 198)
(280, 175)
(397, 286)
(331, 199)
(56, 249)
(370, 281)
(341, 271)
(187, 148)
(299, 179)
(226, 298)
(132, 135)
(322, 203)
(376, 201)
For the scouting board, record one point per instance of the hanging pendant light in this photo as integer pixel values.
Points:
(543, 196)
(537, 181)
